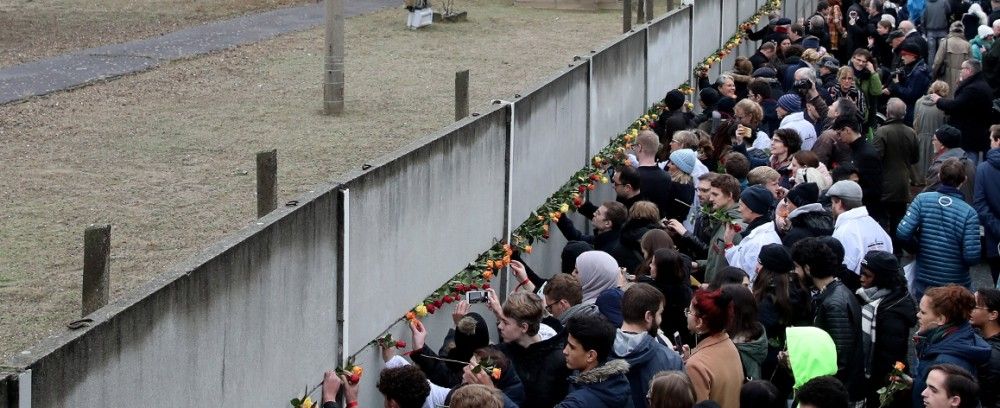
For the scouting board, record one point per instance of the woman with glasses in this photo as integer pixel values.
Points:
(711, 365)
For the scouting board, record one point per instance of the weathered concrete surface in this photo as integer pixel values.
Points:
(421, 217)
(83, 67)
(705, 27)
(250, 322)
(549, 145)
(668, 62)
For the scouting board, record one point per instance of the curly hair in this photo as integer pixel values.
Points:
(407, 385)
(818, 257)
(953, 302)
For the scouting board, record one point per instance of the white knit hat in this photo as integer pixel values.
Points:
(984, 31)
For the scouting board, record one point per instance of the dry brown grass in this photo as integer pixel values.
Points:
(33, 29)
(166, 157)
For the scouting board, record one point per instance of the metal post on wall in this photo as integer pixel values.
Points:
(461, 94)
(626, 15)
(96, 268)
(267, 182)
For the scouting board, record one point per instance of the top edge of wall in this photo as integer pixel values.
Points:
(424, 142)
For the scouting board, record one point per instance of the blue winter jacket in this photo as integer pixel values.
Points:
(603, 386)
(987, 200)
(945, 231)
(645, 357)
(962, 347)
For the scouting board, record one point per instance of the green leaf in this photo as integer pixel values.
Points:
(296, 402)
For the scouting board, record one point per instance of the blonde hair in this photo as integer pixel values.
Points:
(648, 140)
(941, 88)
(811, 56)
(753, 109)
(475, 396)
(844, 72)
(644, 210)
(678, 176)
(686, 138)
(761, 175)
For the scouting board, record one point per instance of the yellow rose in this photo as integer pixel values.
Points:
(604, 180)
(306, 403)
(420, 310)
(564, 208)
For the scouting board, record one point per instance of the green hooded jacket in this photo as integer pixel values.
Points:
(752, 354)
(811, 353)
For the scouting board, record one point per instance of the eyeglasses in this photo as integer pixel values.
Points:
(688, 311)
(548, 307)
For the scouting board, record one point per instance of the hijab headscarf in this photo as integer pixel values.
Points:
(597, 271)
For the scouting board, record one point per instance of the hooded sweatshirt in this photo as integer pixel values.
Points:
(811, 352)
(957, 344)
(810, 220)
(603, 386)
(752, 354)
(645, 357)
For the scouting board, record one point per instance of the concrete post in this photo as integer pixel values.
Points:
(649, 11)
(267, 182)
(96, 268)
(640, 10)
(461, 94)
(626, 15)
(333, 74)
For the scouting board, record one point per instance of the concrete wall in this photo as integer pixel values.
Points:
(668, 58)
(250, 322)
(421, 217)
(548, 143)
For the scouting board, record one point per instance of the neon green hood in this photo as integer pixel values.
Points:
(811, 353)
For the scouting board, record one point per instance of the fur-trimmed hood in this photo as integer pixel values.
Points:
(601, 373)
(604, 386)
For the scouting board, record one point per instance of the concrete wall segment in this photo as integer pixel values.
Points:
(667, 58)
(208, 331)
(427, 213)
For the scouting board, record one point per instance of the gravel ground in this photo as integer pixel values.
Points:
(34, 29)
(167, 157)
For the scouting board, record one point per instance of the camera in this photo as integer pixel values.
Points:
(476, 296)
(802, 85)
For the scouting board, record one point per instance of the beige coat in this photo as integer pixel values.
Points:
(952, 51)
(715, 371)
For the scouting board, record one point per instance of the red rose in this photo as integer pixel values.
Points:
(437, 303)
(448, 299)
(431, 308)
(486, 286)
(400, 344)
(473, 286)
(460, 287)
(737, 228)
(354, 378)
(595, 177)
(581, 188)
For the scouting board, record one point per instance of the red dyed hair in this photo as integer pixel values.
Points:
(714, 308)
(953, 302)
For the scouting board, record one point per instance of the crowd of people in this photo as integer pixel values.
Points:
(755, 253)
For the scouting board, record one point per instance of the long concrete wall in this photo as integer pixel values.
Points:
(258, 316)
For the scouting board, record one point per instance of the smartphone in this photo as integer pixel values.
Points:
(476, 296)
(678, 345)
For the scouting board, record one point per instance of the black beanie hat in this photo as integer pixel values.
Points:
(726, 105)
(571, 251)
(775, 258)
(674, 100)
(471, 333)
(802, 194)
(949, 136)
(709, 96)
(758, 199)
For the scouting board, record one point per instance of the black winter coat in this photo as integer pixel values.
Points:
(808, 225)
(607, 241)
(896, 315)
(868, 161)
(836, 311)
(542, 369)
(989, 376)
(654, 183)
(968, 111)
(666, 124)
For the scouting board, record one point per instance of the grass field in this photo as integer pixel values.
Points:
(167, 156)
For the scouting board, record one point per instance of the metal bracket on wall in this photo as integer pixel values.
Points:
(24, 389)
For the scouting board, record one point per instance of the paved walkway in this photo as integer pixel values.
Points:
(82, 67)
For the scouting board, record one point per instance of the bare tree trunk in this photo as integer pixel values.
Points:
(333, 77)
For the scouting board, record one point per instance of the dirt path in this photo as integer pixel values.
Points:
(166, 157)
(33, 29)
